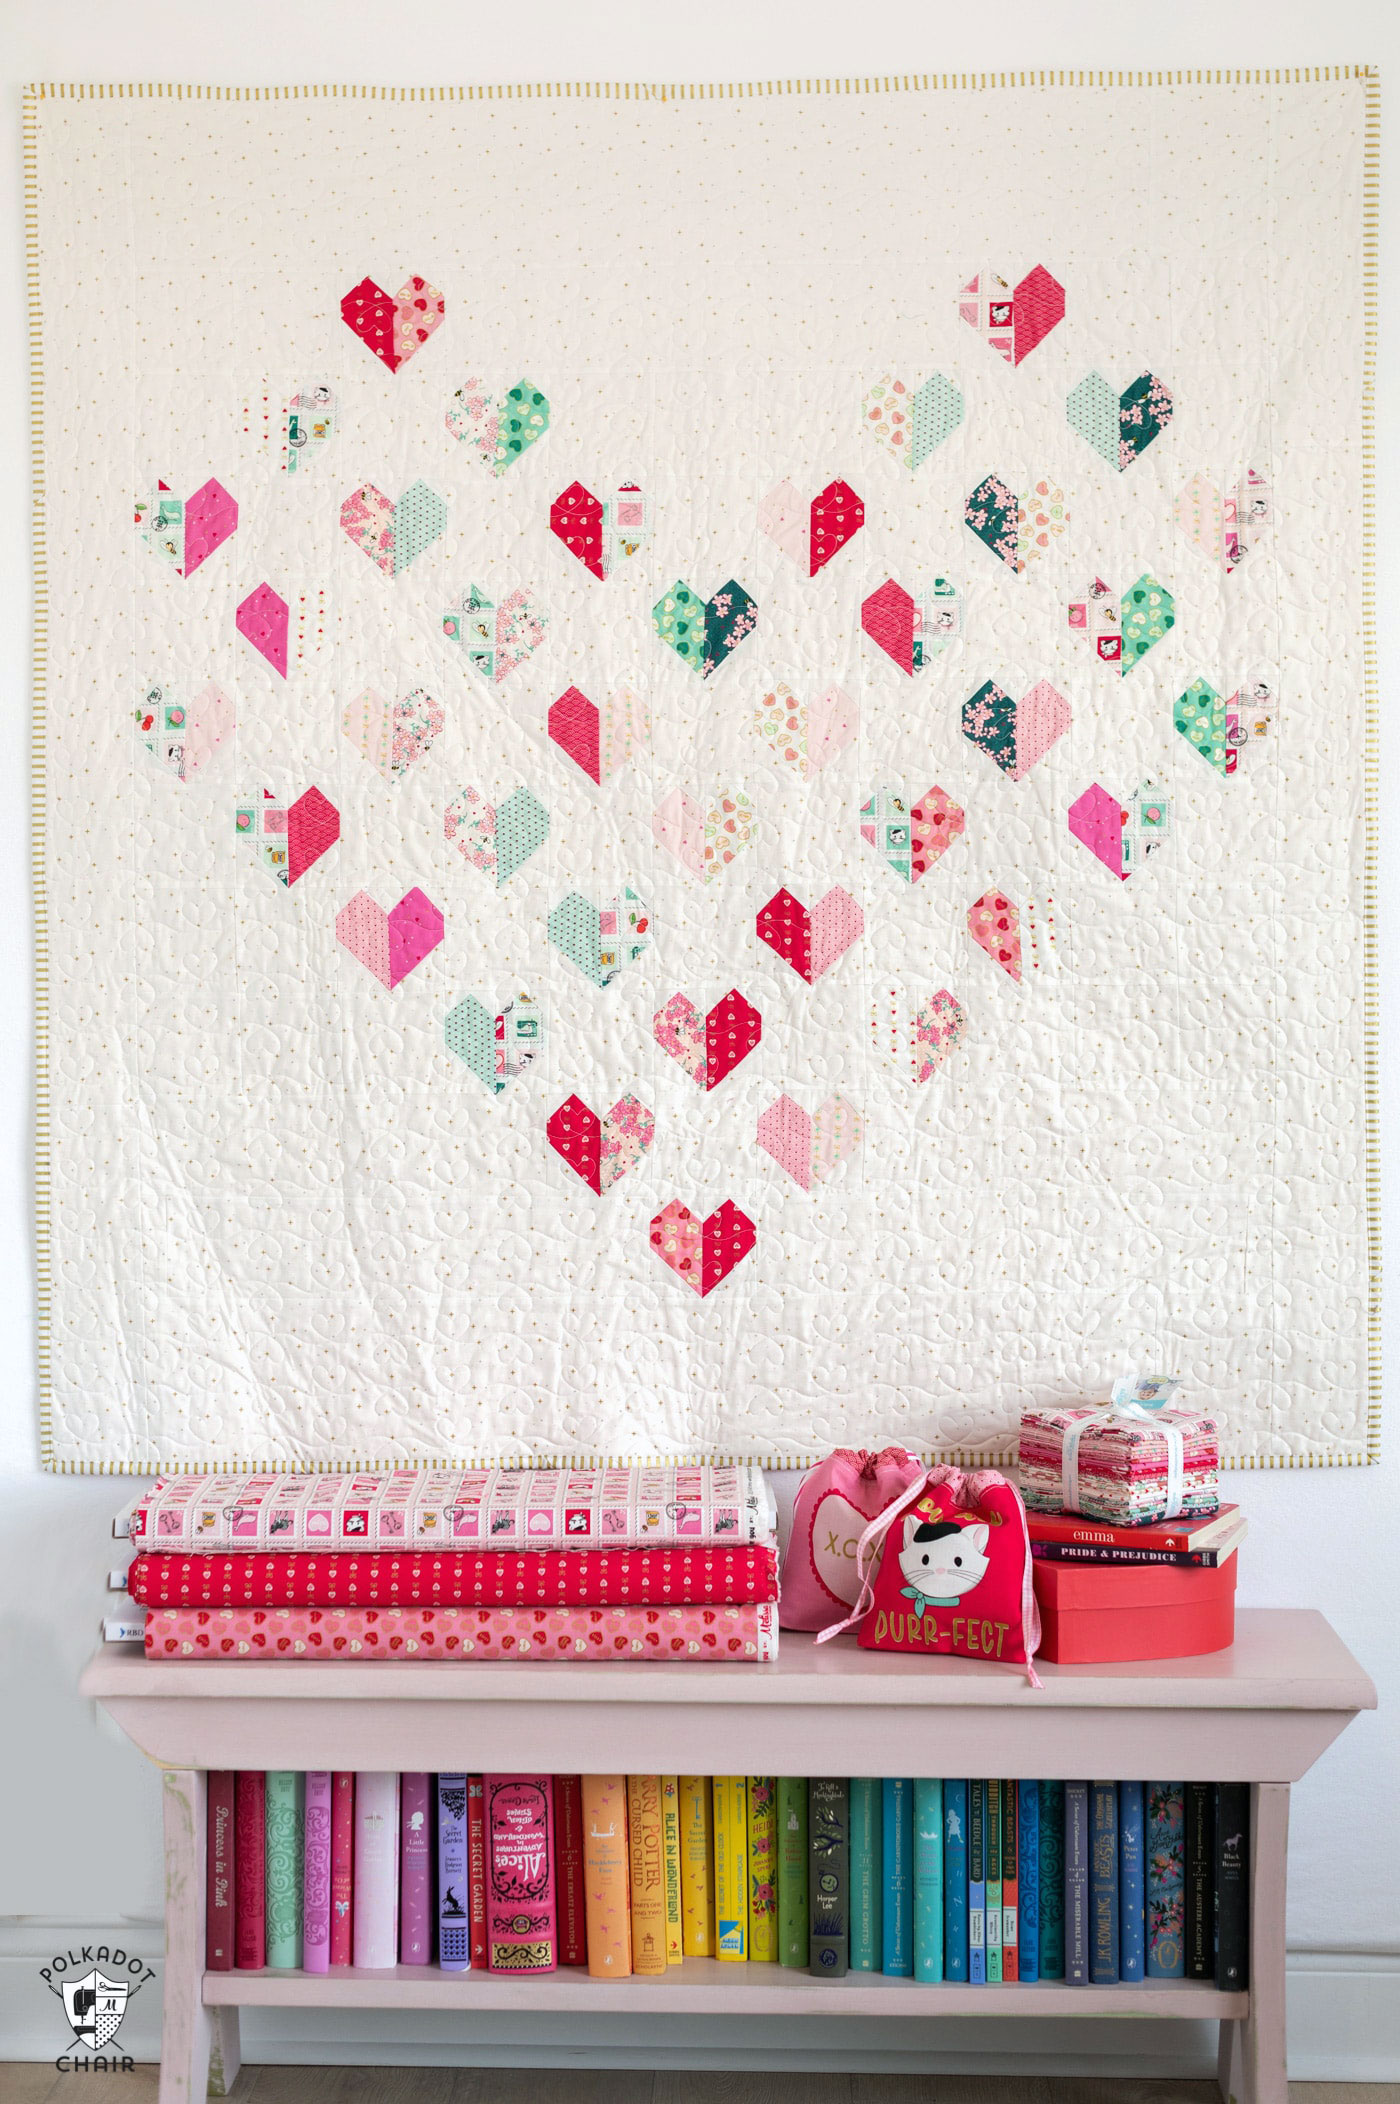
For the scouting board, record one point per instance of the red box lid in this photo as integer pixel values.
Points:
(1098, 1588)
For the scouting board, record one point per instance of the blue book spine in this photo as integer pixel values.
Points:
(898, 1915)
(867, 1872)
(1103, 1884)
(454, 1895)
(1130, 1882)
(1076, 1917)
(976, 1883)
(1028, 1834)
(1166, 1880)
(1052, 1881)
(955, 1880)
(928, 1879)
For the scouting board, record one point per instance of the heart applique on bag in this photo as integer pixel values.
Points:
(702, 1252)
(708, 1046)
(910, 838)
(500, 429)
(807, 735)
(600, 1151)
(496, 1043)
(395, 326)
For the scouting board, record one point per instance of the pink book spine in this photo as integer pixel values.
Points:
(415, 1872)
(250, 1869)
(476, 1867)
(520, 1921)
(316, 1873)
(219, 1900)
(376, 1912)
(342, 1866)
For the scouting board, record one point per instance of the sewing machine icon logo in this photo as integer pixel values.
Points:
(95, 2007)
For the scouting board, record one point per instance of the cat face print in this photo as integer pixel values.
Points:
(940, 1561)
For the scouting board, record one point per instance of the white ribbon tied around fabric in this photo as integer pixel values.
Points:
(1118, 1413)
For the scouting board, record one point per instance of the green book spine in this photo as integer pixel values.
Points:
(867, 1873)
(793, 1930)
(286, 1803)
(993, 1830)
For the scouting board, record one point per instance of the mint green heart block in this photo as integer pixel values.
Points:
(935, 412)
(471, 1033)
(1092, 409)
(419, 519)
(522, 825)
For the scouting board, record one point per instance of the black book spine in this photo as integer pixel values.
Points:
(1232, 1885)
(1200, 1881)
(829, 1874)
(1078, 1552)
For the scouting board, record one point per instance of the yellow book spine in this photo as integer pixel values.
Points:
(644, 1833)
(697, 1847)
(731, 1802)
(763, 1862)
(671, 1861)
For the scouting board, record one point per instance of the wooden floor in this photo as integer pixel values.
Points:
(381, 2085)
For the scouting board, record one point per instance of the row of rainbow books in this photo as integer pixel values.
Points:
(676, 1563)
(983, 1881)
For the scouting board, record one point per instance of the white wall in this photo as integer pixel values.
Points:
(81, 1854)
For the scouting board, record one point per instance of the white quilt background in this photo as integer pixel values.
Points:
(288, 1225)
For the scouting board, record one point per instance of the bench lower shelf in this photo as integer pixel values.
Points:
(709, 1986)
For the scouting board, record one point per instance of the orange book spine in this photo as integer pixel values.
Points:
(605, 1881)
(647, 1855)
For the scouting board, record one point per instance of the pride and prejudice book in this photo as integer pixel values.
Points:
(520, 1917)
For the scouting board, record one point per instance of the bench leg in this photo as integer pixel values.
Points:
(225, 2059)
(1253, 2066)
(186, 2029)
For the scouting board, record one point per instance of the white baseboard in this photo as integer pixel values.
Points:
(1343, 2026)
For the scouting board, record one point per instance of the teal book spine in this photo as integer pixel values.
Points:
(867, 1874)
(928, 1879)
(1052, 1881)
(955, 1878)
(285, 1812)
(897, 1914)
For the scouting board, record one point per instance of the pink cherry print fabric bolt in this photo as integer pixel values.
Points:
(837, 1500)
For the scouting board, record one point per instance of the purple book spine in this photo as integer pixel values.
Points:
(415, 1873)
(316, 1878)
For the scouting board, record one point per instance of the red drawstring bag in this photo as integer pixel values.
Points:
(836, 1502)
(953, 1572)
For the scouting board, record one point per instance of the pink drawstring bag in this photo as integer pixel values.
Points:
(836, 1502)
(953, 1572)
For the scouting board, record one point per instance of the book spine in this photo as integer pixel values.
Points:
(867, 1857)
(285, 1802)
(763, 1889)
(1200, 1882)
(453, 1891)
(928, 1879)
(1103, 1884)
(520, 1915)
(671, 1863)
(376, 1913)
(605, 1876)
(250, 1869)
(1010, 1881)
(1046, 1527)
(991, 1845)
(568, 1869)
(955, 1879)
(221, 1911)
(415, 1870)
(1131, 1893)
(794, 1934)
(697, 1852)
(828, 1874)
(1232, 1885)
(731, 1813)
(648, 1873)
(1166, 1880)
(1052, 1880)
(976, 1883)
(897, 1895)
(1179, 1559)
(1028, 1842)
(316, 1874)
(342, 1866)
(476, 1866)
(1076, 1919)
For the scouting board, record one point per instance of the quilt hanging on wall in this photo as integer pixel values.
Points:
(704, 765)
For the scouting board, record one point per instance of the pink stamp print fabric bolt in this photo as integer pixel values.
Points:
(810, 1147)
(395, 326)
(390, 945)
(1013, 323)
(702, 1252)
(811, 942)
(262, 620)
(807, 736)
(600, 1150)
(709, 1046)
(994, 923)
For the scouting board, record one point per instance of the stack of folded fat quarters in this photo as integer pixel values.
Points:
(1134, 1553)
(671, 1563)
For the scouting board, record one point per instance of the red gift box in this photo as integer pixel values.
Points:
(1094, 1613)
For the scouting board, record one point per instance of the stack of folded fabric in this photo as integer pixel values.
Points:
(675, 1563)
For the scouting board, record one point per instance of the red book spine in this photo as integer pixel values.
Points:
(568, 1869)
(342, 1866)
(1179, 1535)
(476, 1865)
(220, 1910)
(520, 1916)
(250, 1869)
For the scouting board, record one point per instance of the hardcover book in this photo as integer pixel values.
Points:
(342, 1944)
(897, 1899)
(648, 1867)
(991, 1845)
(731, 1816)
(250, 1868)
(520, 1917)
(1028, 1844)
(955, 1795)
(828, 1874)
(1232, 1885)
(1166, 1880)
(415, 1870)
(1131, 1884)
(1052, 1880)
(697, 1854)
(1010, 1881)
(285, 1804)
(763, 1894)
(476, 1865)
(1182, 1537)
(671, 1862)
(453, 1890)
(1076, 1919)
(794, 1929)
(1103, 1883)
(568, 1869)
(316, 1874)
(928, 1879)
(1200, 1881)
(605, 1876)
(867, 1858)
(376, 1893)
(221, 1911)
(977, 1882)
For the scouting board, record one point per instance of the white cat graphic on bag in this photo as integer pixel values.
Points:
(941, 1561)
